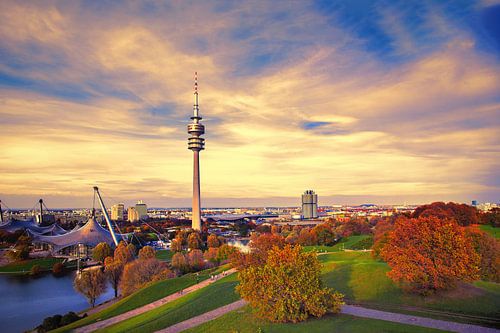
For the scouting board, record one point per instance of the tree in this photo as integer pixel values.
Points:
(21, 250)
(138, 273)
(91, 284)
(147, 252)
(492, 217)
(101, 251)
(210, 255)
(212, 241)
(35, 270)
(194, 241)
(306, 237)
(224, 252)
(113, 269)
(288, 287)
(488, 249)
(324, 235)
(195, 260)
(463, 214)
(123, 253)
(57, 269)
(429, 254)
(176, 245)
(180, 263)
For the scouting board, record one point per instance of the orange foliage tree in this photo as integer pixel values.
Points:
(212, 241)
(488, 249)
(138, 273)
(259, 247)
(287, 287)
(429, 254)
(463, 214)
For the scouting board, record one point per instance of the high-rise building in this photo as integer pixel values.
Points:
(142, 209)
(133, 215)
(309, 205)
(117, 212)
(196, 143)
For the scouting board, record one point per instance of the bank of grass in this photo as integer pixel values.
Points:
(363, 281)
(243, 321)
(25, 266)
(346, 243)
(146, 295)
(193, 304)
(495, 232)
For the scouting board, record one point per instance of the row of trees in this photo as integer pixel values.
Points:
(435, 248)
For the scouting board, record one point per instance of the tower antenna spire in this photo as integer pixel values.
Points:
(196, 108)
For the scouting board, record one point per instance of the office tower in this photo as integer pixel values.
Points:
(309, 205)
(117, 212)
(142, 209)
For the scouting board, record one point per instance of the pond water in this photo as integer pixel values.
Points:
(26, 301)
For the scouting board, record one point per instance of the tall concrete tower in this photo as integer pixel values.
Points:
(196, 143)
(309, 205)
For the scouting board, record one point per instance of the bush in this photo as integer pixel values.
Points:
(363, 244)
(58, 268)
(35, 270)
(53, 322)
(68, 318)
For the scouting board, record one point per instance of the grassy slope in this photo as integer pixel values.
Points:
(495, 232)
(363, 280)
(144, 296)
(165, 255)
(206, 299)
(243, 321)
(25, 265)
(346, 243)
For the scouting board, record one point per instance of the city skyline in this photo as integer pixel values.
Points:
(362, 102)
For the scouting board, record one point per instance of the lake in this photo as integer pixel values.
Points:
(26, 301)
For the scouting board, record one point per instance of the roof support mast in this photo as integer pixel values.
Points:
(41, 211)
(106, 216)
(1, 212)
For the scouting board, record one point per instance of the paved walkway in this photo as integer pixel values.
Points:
(113, 320)
(346, 309)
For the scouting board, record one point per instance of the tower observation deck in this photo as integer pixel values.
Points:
(196, 143)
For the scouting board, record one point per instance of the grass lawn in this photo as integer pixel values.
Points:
(495, 232)
(164, 255)
(345, 243)
(363, 280)
(206, 299)
(144, 296)
(25, 265)
(243, 321)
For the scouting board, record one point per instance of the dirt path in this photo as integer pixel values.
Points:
(346, 309)
(147, 307)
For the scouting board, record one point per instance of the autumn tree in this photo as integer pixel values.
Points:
(324, 235)
(225, 251)
(429, 254)
(124, 253)
(147, 252)
(463, 214)
(113, 269)
(488, 249)
(212, 241)
(306, 238)
(176, 245)
(91, 284)
(287, 287)
(194, 240)
(138, 273)
(210, 255)
(195, 260)
(180, 263)
(101, 251)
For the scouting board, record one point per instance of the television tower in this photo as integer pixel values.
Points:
(196, 143)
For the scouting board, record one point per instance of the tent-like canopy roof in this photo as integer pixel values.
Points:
(90, 234)
(14, 225)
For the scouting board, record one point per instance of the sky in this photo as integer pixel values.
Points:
(386, 102)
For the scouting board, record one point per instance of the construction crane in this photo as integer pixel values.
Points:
(106, 216)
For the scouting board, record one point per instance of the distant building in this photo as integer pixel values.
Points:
(309, 205)
(474, 203)
(117, 212)
(142, 210)
(133, 215)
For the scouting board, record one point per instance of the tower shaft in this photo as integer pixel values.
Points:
(196, 216)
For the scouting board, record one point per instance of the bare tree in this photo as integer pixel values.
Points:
(90, 284)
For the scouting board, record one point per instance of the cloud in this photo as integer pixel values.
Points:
(290, 102)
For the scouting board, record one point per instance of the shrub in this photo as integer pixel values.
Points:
(58, 268)
(35, 270)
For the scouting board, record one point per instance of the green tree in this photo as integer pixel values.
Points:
(288, 287)
(91, 284)
(101, 251)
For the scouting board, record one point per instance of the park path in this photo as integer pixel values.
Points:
(150, 306)
(346, 309)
